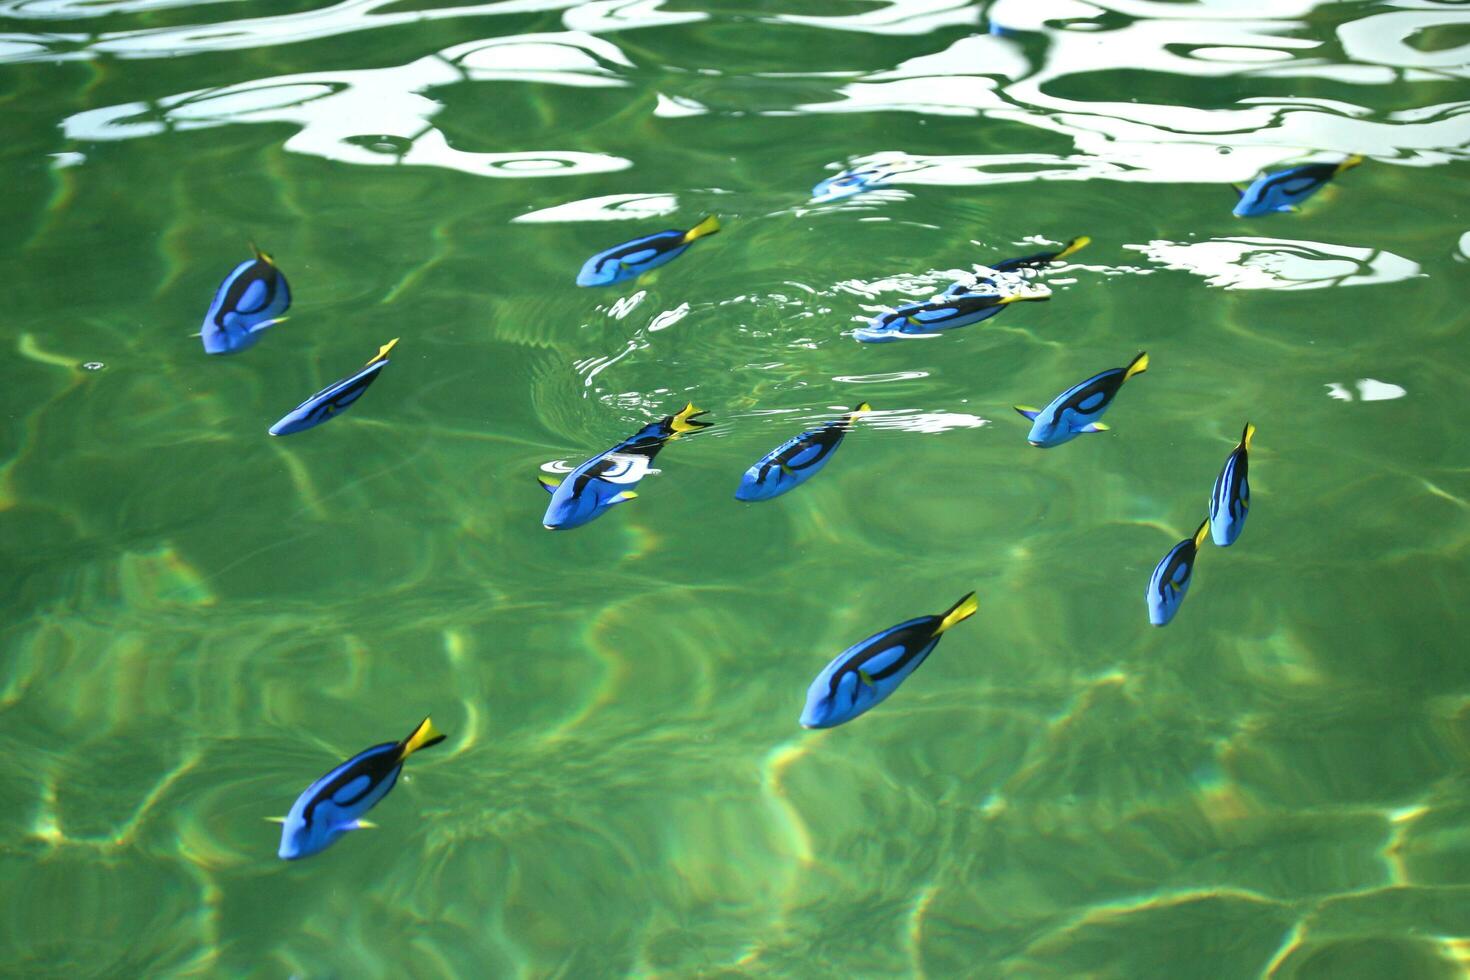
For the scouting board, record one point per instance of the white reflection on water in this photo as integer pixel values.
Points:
(381, 116)
(1278, 263)
(1369, 390)
(895, 17)
(609, 207)
(1032, 69)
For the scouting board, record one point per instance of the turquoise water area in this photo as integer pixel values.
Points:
(198, 620)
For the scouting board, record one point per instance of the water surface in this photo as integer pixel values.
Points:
(200, 619)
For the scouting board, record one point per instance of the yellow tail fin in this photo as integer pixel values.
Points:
(1199, 535)
(708, 226)
(1075, 245)
(382, 354)
(1136, 366)
(685, 420)
(261, 255)
(1245, 436)
(961, 610)
(422, 737)
(1019, 297)
(1349, 163)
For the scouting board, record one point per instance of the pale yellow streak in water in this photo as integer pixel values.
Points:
(456, 648)
(45, 825)
(1289, 945)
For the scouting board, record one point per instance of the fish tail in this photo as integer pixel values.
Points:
(687, 421)
(1199, 535)
(261, 256)
(707, 226)
(1021, 297)
(863, 408)
(1349, 163)
(382, 354)
(1075, 245)
(1136, 366)
(1245, 436)
(961, 610)
(421, 738)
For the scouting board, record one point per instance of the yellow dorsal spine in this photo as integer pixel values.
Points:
(1075, 245)
(1199, 535)
(382, 354)
(422, 737)
(961, 610)
(707, 226)
(684, 420)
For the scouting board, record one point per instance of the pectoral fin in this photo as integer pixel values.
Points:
(267, 323)
(1094, 427)
(548, 483)
(866, 678)
(275, 819)
(625, 495)
(1028, 411)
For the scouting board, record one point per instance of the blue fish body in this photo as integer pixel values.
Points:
(1169, 583)
(1079, 408)
(1286, 189)
(334, 399)
(608, 478)
(1231, 497)
(848, 183)
(253, 297)
(631, 259)
(795, 461)
(866, 673)
(335, 803)
(1041, 260)
(959, 307)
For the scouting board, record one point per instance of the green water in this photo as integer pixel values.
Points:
(199, 620)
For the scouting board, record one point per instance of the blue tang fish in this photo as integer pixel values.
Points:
(865, 673)
(334, 804)
(631, 259)
(1285, 189)
(251, 298)
(960, 306)
(609, 477)
(797, 460)
(1170, 580)
(849, 182)
(1231, 497)
(1041, 260)
(335, 398)
(1078, 409)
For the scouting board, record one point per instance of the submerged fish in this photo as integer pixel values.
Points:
(609, 477)
(251, 298)
(1170, 580)
(1231, 497)
(958, 307)
(1078, 409)
(797, 460)
(865, 673)
(335, 398)
(631, 259)
(849, 182)
(1285, 189)
(334, 804)
(1041, 260)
